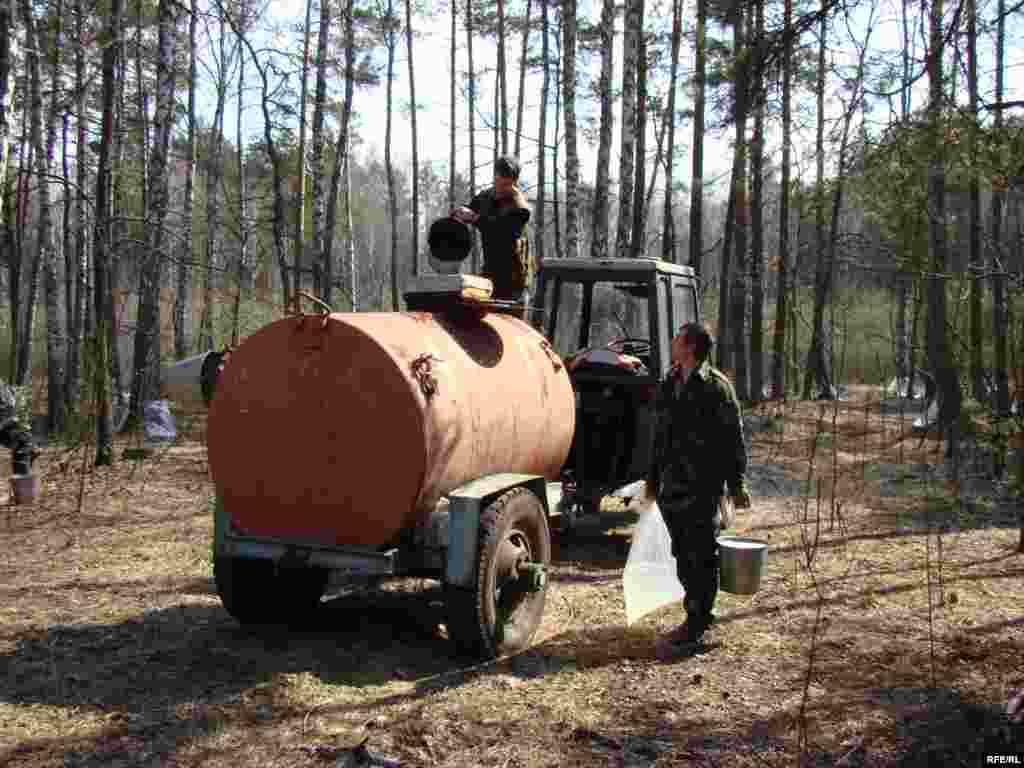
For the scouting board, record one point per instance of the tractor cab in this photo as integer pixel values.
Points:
(612, 321)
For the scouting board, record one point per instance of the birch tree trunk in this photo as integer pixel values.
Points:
(501, 94)
(738, 291)
(904, 366)
(627, 145)
(602, 181)
(452, 119)
(146, 379)
(183, 295)
(243, 191)
(142, 105)
(101, 286)
(471, 112)
(572, 162)
(81, 254)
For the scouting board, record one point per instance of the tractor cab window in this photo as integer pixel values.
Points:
(592, 315)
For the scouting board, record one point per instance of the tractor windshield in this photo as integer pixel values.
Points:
(617, 311)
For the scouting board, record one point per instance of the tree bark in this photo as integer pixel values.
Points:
(819, 363)
(638, 237)
(501, 94)
(757, 224)
(183, 295)
(602, 182)
(340, 163)
(471, 112)
(322, 272)
(243, 190)
(627, 171)
(540, 215)
(391, 44)
(697, 161)
(668, 237)
(521, 101)
(101, 286)
(81, 252)
(977, 264)
(146, 379)
(738, 290)
(572, 162)
(415, 142)
(1000, 310)
(782, 292)
(299, 190)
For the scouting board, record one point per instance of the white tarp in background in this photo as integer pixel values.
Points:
(158, 421)
(649, 580)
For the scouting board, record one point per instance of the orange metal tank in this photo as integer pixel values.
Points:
(348, 428)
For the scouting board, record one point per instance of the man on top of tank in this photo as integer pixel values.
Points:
(501, 213)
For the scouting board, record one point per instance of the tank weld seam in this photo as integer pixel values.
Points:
(423, 371)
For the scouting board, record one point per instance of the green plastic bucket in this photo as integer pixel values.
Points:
(741, 564)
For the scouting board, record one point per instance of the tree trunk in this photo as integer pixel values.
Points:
(631, 44)
(452, 120)
(904, 281)
(243, 191)
(340, 162)
(819, 364)
(738, 290)
(415, 143)
(501, 94)
(1000, 313)
(299, 189)
(101, 286)
(520, 102)
(602, 182)
(757, 225)
(782, 294)
(142, 105)
(320, 250)
(6, 94)
(940, 357)
(38, 41)
(471, 112)
(977, 264)
(183, 295)
(391, 43)
(638, 238)
(146, 379)
(572, 162)
(540, 215)
(214, 174)
(697, 161)
(668, 237)
(81, 254)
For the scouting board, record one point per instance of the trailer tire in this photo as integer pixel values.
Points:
(500, 616)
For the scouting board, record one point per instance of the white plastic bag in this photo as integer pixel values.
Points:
(649, 580)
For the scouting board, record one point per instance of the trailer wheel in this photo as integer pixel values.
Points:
(254, 592)
(502, 614)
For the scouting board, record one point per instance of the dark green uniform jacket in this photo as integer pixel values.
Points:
(698, 445)
(502, 224)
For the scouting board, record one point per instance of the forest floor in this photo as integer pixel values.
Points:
(889, 629)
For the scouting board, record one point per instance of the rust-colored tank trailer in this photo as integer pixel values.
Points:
(391, 444)
(349, 428)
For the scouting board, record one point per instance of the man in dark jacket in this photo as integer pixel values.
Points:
(698, 450)
(12, 435)
(501, 214)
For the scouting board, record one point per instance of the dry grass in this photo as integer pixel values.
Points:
(114, 650)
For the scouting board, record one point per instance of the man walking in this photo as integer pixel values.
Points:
(698, 449)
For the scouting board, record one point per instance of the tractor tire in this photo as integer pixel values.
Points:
(501, 615)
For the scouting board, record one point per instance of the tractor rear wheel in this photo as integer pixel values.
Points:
(501, 615)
